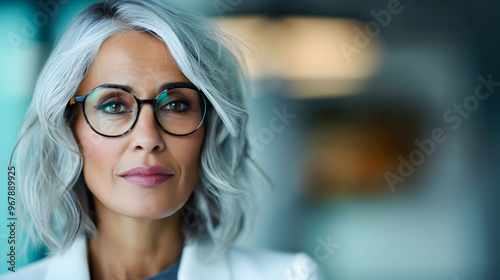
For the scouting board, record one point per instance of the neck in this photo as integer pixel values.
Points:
(129, 248)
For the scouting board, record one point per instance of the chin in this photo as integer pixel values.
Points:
(148, 212)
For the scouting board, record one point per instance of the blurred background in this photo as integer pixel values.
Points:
(375, 120)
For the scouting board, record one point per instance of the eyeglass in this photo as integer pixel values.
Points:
(112, 111)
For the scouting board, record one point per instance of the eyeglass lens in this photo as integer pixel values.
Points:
(113, 111)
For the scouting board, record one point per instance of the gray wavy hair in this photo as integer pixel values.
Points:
(56, 202)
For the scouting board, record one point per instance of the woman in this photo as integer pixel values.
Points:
(134, 158)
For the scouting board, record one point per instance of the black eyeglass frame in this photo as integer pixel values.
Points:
(81, 100)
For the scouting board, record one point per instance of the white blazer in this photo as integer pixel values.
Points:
(234, 264)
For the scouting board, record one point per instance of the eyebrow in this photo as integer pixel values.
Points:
(162, 88)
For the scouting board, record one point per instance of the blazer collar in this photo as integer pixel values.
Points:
(73, 263)
(194, 267)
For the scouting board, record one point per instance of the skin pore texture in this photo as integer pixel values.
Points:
(139, 230)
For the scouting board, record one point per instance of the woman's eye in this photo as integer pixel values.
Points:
(112, 107)
(176, 106)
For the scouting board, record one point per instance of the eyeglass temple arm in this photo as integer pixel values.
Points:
(75, 99)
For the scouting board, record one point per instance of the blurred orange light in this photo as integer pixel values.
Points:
(307, 52)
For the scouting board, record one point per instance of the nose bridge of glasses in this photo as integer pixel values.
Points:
(144, 101)
(148, 117)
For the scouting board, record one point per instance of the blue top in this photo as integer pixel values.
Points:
(169, 273)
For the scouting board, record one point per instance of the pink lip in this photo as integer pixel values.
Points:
(147, 176)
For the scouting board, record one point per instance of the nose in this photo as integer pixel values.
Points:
(147, 134)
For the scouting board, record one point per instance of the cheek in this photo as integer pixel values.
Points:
(187, 152)
(99, 154)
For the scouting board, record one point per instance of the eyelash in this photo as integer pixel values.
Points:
(181, 100)
(105, 104)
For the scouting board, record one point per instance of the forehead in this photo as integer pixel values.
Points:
(140, 45)
(137, 59)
